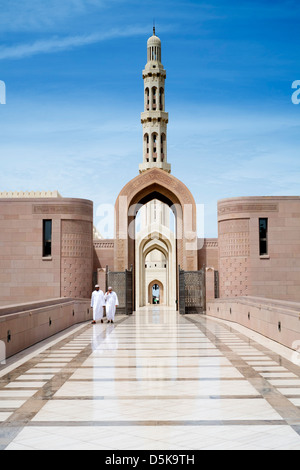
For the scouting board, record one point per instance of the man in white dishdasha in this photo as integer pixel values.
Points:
(112, 302)
(97, 304)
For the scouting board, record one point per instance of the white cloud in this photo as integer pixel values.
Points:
(57, 44)
(37, 15)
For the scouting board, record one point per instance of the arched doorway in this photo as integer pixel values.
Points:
(155, 184)
(156, 260)
(156, 293)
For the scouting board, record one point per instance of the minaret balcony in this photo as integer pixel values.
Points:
(148, 116)
(154, 69)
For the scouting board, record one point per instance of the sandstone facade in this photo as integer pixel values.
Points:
(28, 273)
(247, 266)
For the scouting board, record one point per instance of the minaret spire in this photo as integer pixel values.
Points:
(154, 118)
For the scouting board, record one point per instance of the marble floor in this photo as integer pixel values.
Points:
(154, 381)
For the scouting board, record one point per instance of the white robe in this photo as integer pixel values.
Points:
(97, 303)
(111, 303)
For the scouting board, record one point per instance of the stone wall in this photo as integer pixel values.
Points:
(24, 325)
(208, 253)
(243, 269)
(277, 320)
(76, 258)
(104, 254)
(26, 275)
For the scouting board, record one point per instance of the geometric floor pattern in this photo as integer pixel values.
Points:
(152, 381)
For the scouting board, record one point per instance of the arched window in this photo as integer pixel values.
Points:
(161, 99)
(146, 145)
(155, 143)
(154, 97)
(147, 99)
(163, 141)
(154, 53)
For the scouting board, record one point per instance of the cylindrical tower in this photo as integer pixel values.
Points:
(154, 118)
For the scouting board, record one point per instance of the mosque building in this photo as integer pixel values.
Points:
(50, 250)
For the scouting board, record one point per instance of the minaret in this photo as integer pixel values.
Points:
(154, 118)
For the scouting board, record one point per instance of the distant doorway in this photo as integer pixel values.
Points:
(156, 293)
(155, 255)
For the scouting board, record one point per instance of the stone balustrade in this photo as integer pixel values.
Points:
(22, 326)
(277, 320)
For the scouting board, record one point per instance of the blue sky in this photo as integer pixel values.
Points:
(74, 94)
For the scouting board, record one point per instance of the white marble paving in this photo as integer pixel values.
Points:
(156, 372)
(157, 381)
(153, 438)
(153, 410)
(156, 388)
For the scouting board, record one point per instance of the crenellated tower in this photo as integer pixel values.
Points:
(154, 118)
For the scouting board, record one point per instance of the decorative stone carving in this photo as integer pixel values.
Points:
(234, 253)
(246, 207)
(76, 255)
(63, 209)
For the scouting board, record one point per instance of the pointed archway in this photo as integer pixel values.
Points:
(155, 184)
(161, 241)
(161, 290)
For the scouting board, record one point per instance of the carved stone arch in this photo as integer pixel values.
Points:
(155, 245)
(155, 184)
(160, 238)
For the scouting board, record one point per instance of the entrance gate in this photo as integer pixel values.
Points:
(122, 284)
(191, 291)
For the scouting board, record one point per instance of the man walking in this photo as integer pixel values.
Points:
(112, 302)
(97, 304)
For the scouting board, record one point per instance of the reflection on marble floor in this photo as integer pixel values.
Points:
(156, 380)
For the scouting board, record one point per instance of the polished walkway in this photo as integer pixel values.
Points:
(155, 380)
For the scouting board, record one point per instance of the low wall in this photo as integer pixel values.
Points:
(277, 320)
(24, 325)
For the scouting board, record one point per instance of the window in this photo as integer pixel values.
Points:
(147, 98)
(263, 237)
(47, 238)
(161, 92)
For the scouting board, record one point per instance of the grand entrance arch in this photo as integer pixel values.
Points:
(159, 185)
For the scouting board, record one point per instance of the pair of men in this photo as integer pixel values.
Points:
(99, 300)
